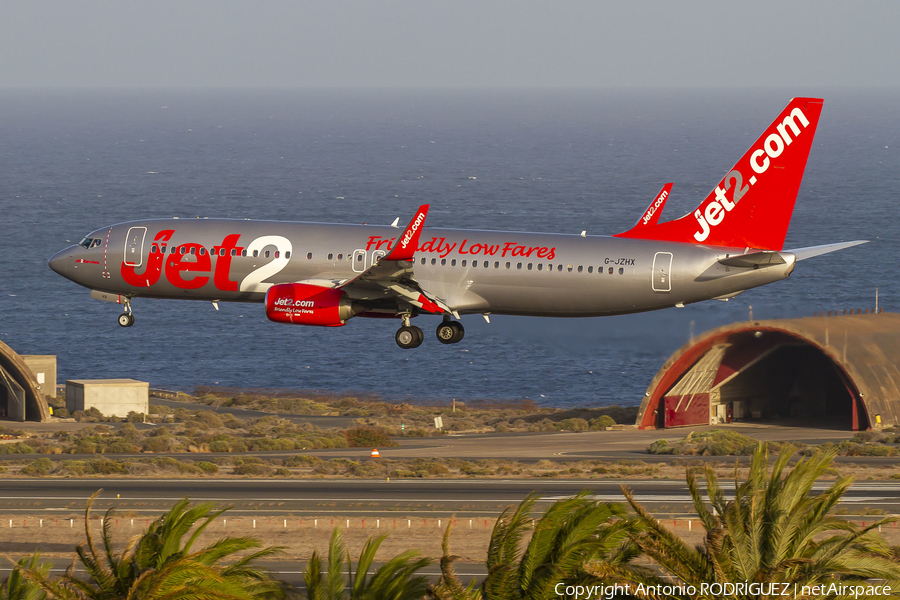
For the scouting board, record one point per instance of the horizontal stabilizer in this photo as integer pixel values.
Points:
(809, 252)
(754, 260)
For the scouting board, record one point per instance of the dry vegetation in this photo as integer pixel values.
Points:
(718, 442)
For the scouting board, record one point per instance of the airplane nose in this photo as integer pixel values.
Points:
(59, 261)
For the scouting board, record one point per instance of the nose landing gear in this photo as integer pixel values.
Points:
(126, 319)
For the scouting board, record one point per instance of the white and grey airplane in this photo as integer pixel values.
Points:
(326, 274)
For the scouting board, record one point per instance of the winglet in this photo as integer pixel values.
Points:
(408, 242)
(651, 215)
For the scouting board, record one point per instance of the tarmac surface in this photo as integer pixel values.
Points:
(369, 498)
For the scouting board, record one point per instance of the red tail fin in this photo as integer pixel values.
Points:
(751, 207)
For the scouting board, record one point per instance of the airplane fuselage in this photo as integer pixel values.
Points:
(514, 273)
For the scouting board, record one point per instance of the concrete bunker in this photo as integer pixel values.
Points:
(20, 398)
(837, 372)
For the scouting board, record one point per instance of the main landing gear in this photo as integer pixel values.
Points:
(126, 319)
(450, 332)
(409, 336)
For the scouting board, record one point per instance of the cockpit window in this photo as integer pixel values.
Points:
(91, 243)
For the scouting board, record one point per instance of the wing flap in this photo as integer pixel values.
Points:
(754, 260)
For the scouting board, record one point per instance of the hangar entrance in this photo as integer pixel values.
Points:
(769, 378)
(12, 398)
(793, 383)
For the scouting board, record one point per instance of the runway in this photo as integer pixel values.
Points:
(369, 498)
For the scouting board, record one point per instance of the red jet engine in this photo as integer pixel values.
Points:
(305, 304)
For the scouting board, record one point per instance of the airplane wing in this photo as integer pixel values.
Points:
(765, 258)
(810, 251)
(391, 277)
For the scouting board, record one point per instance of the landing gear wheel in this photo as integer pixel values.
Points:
(126, 320)
(450, 332)
(409, 337)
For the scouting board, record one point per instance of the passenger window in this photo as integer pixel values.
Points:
(359, 257)
(486, 264)
(474, 263)
(222, 252)
(463, 263)
(244, 252)
(423, 261)
(529, 266)
(540, 266)
(309, 256)
(496, 264)
(443, 262)
(453, 262)
(559, 267)
(330, 256)
(610, 270)
(569, 268)
(277, 253)
(508, 265)
(518, 265)
(433, 261)
(340, 256)
(287, 254)
(621, 271)
(154, 249)
(174, 249)
(182, 250)
(255, 253)
(194, 250)
(590, 269)
(580, 268)
(163, 248)
(202, 251)
(267, 253)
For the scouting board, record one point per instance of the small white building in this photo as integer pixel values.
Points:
(112, 397)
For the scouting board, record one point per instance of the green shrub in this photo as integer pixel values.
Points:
(159, 443)
(301, 460)
(429, 467)
(38, 468)
(368, 437)
(660, 447)
(207, 467)
(135, 417)
(104, 466)
(602, 423)
(16, 448)
(252, 469)
(573, 424)
(120, 447)
(167, 463)
(206, 419)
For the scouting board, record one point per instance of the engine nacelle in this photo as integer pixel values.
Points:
(305, 304)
